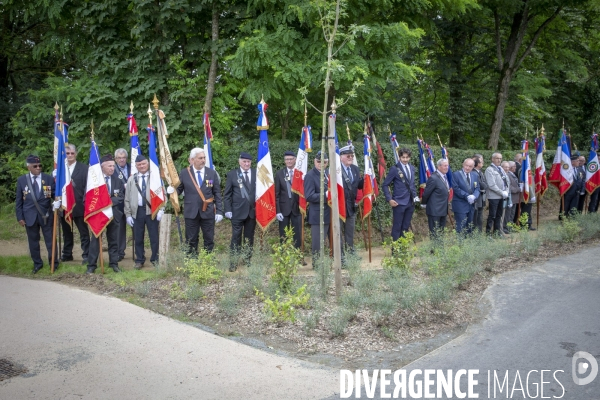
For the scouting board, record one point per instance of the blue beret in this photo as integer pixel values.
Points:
(107, 157)
(31, 159)
(318, 156)
(289, 153)
(140, 158)
(245, 156)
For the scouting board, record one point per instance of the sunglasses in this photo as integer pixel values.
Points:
(36, 166)
(70, 154)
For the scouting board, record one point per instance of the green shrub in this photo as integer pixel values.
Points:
(338, 322)
(229, 303)
(284, 309)
(570, 229)
(402, 252)
(286, 260)
(202, 269)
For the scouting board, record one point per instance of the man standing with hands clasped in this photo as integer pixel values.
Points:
(466, 192)
(352, 182)
(435, 199)
(497, 192)
(402, 176)
(288, 202)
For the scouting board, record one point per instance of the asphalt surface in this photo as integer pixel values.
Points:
(535, 319)
(79, 345)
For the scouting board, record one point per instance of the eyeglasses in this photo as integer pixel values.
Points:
(350, 155)
(319, 161)
(70, 154)
(36, 166)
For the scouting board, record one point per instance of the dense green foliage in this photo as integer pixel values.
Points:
(424, 68)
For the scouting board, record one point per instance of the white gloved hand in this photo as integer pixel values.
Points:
(218, 218)
(521, 186)
(54, 173)
(130, 221)
(423, 205)
(279, 217)
(416, 199)
(471, 199)
(183, 193)
(159, 215)
(533, 199)
(505, 195)
(56, 204)
(326, 193)
(228, 215)
(170, 189)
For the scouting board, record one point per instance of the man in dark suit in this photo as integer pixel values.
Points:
(571, 196)
(352, 182)
(480, 201)
(402, 176)
(34, 209)
(582, 192)
(435, 199)
(122, 170)
(138, 212)
(78, 173)
(465, 184)
(116, 191)
(287, 202)
(312, 193)
(202, 205)
(240, 206)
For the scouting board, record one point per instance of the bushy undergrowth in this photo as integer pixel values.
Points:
(201, 269)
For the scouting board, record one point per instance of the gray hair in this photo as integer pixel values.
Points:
(195, 152)
(504, 163)
(440, 161)
(512, 164)
(120, 151)
(72, 147)
(496, 154)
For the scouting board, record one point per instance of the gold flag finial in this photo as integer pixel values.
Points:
(305, 114)
(262, 99)
(333, 105)
(366, 132)
(348, 131)
(542, 130)
(155, 102)
(61, 114)
(150, 114)
(92, 132)
(56, 105)
(131, 107)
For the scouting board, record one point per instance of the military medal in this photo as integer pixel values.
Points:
(116, 192)
(120, 176)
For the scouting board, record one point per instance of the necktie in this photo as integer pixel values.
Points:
(407, 170)
(468, 179)
(199, 178)
(247, 178)
(445, 179)
(291, 175)
(349, 172)
(144, 184)
(36, 187)
(107, 184)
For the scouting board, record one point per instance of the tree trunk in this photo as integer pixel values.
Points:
(212, 73)
(501, 99)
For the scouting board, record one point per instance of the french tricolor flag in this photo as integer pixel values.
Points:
(561, 174)
(526, 171)
(369, 178)
(135, 143)
(157, 194)
(64, 184)
(98, 206)
(541, 182)
(302, 166)
(338, 169)
(207, 139)
(265, 188)
(592, 176)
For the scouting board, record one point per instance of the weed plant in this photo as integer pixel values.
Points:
(286, 261)
(229, 303)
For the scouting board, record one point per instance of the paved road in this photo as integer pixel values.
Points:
(536, 319)
(78, 345)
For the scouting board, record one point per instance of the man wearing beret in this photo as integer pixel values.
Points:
(138, 212)
(240, 198)
(123, 172)
(116, 191)
(312, 193)
(202, 207)
(287, 202)
(352, 182)
(34, 209)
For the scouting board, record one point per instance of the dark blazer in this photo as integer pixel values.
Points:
(117, 195)
(435, 196)
(284, 204)
(460, 204)
(124, 173)
(24, 205)
(514, 189)
(192, 202)
(240, 207)
(350, 189)
(79, 179)
(401, 195)
(312, 193)
(480, 201)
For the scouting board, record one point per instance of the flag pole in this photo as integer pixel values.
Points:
(99, 236)
(369, 235)
(53, 257)
(302, 214)
(130, 172)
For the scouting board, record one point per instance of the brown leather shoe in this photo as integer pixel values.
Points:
(138, 266)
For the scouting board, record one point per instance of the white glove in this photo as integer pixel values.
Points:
(170, 189)
(471, 199)
(504, 194)
(521, 186)
(130, 221)
(56, 204)
(218, 218)
(279, 217)
(54, 173)
(159, 215)
(533, 199)
(183, 193)
(228, 215)
(423, 205)
(416, 199)
(326, 194)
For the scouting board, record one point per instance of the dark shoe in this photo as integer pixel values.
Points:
(84, 261)
(138, 266)
(232, 268)
(65, 259)
(532, 228)
(121, 258)
(506, 232)
(36, 270)
(115, 268)
(90, 271)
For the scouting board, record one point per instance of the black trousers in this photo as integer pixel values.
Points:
(112, 237)
(593, 205)
(436, 225)
(478, 218)
(316, 240)
(581, 202)
(139, 228)
(495, 216)
(571, 198)
(526, 208)
(402, 215)
(192, 232)
(33, 239)
(122, 235)
(84, 235)
(242, 228)
(295, 221)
